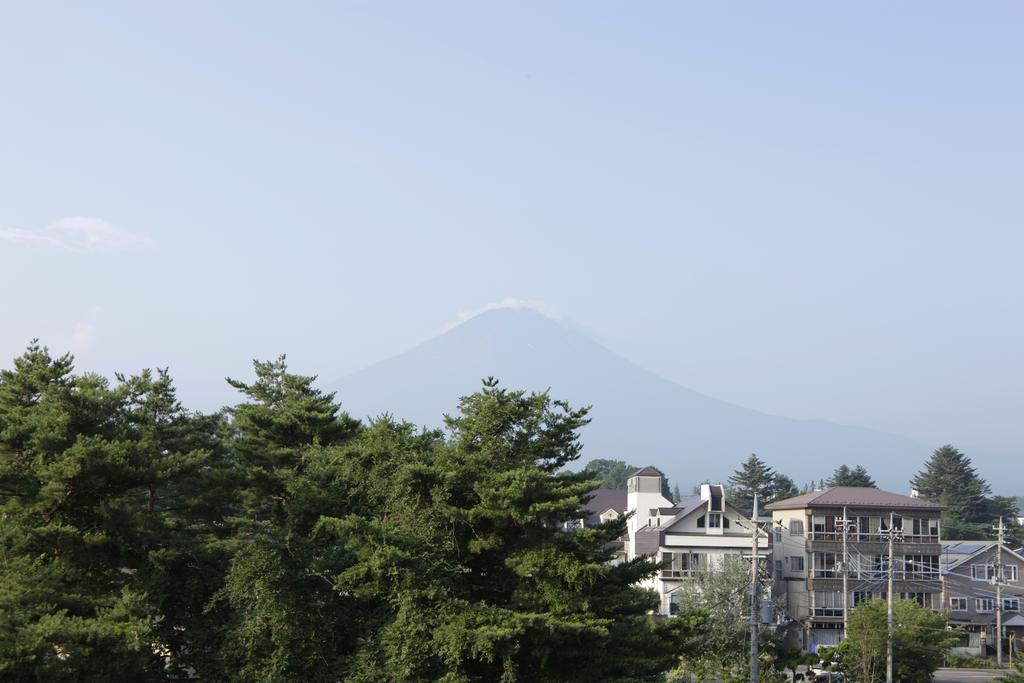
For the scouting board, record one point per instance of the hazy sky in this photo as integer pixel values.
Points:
(803, 208)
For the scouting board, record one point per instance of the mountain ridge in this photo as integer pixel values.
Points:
(638, 415)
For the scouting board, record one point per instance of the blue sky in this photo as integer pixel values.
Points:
(808, 209)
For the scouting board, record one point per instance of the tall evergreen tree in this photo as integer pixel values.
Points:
(296, 625)
(857, 476)
(89, 474)
(533, 603)
(284, 416)
(949, 478)
(783, 487)
(753, 476)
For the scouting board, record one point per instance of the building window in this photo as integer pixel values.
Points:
(920, 566)
(985, 604)
(861, 596)
(828, 604)
(958, 604)
(796, 527)
(778, 535)
(925, 528)
(923, 599)
(824, 527)
(796, 563)
(983, 572)
(680, 565)
(714, 520)
(700, 522)
(1011, 604)
(778, 570)
(825, 565)
(873, 567)
(1009, 572)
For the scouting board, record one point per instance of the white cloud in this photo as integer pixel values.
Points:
(19, 236)
(508, 302)
(78, 233)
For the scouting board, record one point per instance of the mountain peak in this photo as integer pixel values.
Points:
(507, 309)
(637, 416)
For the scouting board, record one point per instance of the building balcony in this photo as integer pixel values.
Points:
(856, 537)
(678, 574)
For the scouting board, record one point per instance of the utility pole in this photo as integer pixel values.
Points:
(998, 578)
(893, 534)
(755, 612)
(846, 573)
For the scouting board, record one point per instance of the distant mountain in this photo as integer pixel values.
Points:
(637, 415)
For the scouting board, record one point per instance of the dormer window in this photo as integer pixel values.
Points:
(714, 520)
(700, 522)
(716, 498)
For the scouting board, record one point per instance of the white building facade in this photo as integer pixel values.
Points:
(695, 534)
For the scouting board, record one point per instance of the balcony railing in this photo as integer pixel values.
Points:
(878, 537)
(877, 574)
(679, 573)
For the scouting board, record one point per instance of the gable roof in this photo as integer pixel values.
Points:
(854, 496)
(648, 472)
(685, 506)
(965, 551)
(603, 500)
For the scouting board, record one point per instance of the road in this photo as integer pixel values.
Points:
(965, 675)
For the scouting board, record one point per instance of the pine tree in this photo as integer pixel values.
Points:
(518, 597)
(858, 476)
(286, 439)
(753, 476)
(949, 478)
(783, 487)
(284, 416)
(93, 498)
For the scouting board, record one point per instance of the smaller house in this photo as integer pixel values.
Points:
(694, 534)
(969, 592)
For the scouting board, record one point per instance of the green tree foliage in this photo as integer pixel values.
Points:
(282, 540)
(721, 593)
(856, 476)
(789, 659)
(949, 478)
(783, 487)
(919, 642)
(285, 618)
(283, 417)
(753, 476)
(97, 500)
(543, 600)
(1015, 676)
(614, 474)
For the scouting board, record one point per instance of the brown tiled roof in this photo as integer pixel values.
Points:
(648, 472)
(853, 496)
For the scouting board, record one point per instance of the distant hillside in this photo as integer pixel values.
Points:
(638, 416)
